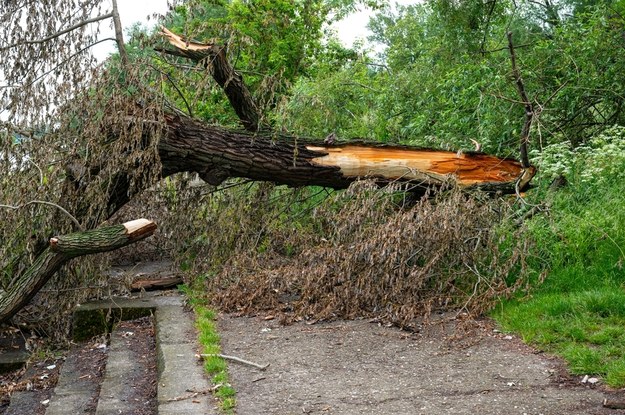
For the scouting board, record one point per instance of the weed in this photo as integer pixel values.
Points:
(210, 341)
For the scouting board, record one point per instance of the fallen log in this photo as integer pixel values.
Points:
(63, 248)
(155, 283)
(217, 154)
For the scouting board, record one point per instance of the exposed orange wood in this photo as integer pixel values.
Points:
(430, 165)
(181, 43)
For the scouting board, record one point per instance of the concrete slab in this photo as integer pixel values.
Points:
(13, 353)
(74, 394)
(182, 386)
(122, 375)
(13, 360)
(98, 317)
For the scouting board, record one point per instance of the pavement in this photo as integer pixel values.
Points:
(362, 367)
(180, 375)
(342, 367)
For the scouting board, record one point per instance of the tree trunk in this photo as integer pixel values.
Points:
(63, 248)
(217, 154)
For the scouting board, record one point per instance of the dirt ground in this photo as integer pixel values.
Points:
(361, 367)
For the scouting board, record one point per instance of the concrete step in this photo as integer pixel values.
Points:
(13, 353)
(76, 394)
(127, 386)
(182, 387)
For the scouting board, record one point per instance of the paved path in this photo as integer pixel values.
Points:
(180, 373)
(356, 367)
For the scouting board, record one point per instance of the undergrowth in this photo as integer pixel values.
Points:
(311, 253)
(579, 310)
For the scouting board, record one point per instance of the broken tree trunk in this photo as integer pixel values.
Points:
(63, 248)
(217, 154)
(214, 58)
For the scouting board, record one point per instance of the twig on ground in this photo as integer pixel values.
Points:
(237, 359)
(193, 394)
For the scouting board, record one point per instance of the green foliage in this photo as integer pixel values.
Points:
(271, 42)
(444, 77)
(579, 309)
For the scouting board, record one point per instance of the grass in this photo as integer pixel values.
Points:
(209, 338)
(586, 328)
(579, 310)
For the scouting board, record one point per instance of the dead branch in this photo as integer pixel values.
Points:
(119, 35)
(60, 33)
(237, 359)
(214, 59)
(529, 108)
(42, 202)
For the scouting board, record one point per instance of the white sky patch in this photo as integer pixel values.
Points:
(353, 28)
(130, 12)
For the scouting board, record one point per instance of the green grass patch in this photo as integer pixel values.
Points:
(586, 328)
(209, 338)
(579, 310)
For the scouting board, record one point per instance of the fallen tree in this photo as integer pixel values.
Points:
(184, 144)
(217, 154)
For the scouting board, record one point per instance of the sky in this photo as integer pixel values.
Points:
(131, 11)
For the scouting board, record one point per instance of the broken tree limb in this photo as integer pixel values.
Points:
(63, 248)
(214, 58)
(216, 154)
(529, 108)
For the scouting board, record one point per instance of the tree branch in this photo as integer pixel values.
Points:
(57, 34)
(529, 108)
(214, 59)
(43, 202)
(61, 249)
(119, 35)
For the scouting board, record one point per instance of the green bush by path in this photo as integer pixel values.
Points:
(579, 310)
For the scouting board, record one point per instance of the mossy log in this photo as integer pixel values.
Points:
(60, 250)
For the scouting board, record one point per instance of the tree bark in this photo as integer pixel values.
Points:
(217, 154)
(63, 248)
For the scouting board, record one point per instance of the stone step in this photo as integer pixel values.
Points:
(127, 385)
(74, 393)
(182, 385)
(13, 353)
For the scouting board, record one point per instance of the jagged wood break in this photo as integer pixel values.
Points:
(217, 154)
(63, 248)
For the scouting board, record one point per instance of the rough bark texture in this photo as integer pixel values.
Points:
(63, 248)
(217, 154)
